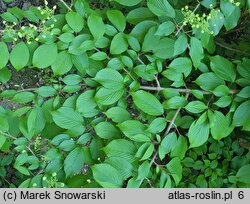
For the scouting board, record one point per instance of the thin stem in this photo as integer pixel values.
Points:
(157, 81)
(232, 49)
(170, 125)
(29, 89)
(129, 74)
(8, 135)
(173, 119)
(139, 59)
(149, 88)
(153, 158)
(14, 138)
(65, 4)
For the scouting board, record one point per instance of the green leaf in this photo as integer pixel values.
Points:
(96, 26)
(45, 55)
(243, 69)
(198, 134)
(117, 18)
(4, 55)
(150, 40)
(175, 102)
(180, 45)
(243, 174)
(122, 166)
(134, 43)
(165, 29)
(221, 90)
(7, 16)
(180, 148)
(57, 140)
(80, 7)
(19, 56)
(164, 48)
(75, 21)
(223, 102)
(119, 44)
(157, 125)
(196, 107)
(209, 81)
(46, 91)
(181, 65)
(148, 153)
(223, 68)
(106, 130)
(63, 63)
(231, 13)
(148, 103)
(121, 148)
(36, 120)
(107, 176)
(143, 170)
(139, 14)
(66, 37)
(167, 144)
(67, 118)
(71, 167)
(175, 169)
(118, 114)
(128, 2)
(4, 125)
(67, 145)
(242, 115)
(245, 92)
(99, 56)
(86, 104)
(219, 124)
(23, 97)
(106, 96)
(5, 75)
(161, 8)
(196, 51)
(134, 130)
(110, 78)
(72, 79)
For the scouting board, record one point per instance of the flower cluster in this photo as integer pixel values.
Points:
(234, 3)
(37, 143)
(197, 21)
(30, 32)
(52, 181)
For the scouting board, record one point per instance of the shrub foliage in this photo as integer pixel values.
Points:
(134, 93)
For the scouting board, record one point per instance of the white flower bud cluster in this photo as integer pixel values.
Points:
(197, 21)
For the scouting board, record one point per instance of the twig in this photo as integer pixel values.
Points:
(129, 74)
(170, 125)
(153, 158)
(8, 135)
(149, 88)
(2, 5)
(232, 49)
(65, 4)
(14, 138)
(173, 119)
(29, 89)
(31, 151)
(139, 59)
(181, 28)
(157, 81)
